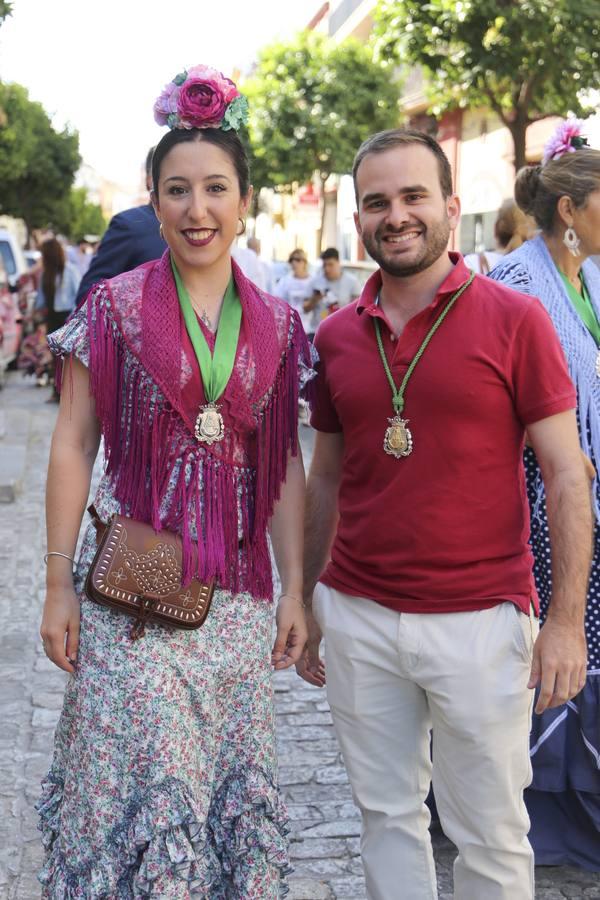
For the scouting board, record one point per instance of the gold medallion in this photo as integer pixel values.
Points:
(209, 424)
(398, 440)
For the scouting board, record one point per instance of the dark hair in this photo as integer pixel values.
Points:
(53, 265)
(512, 226)
(539, 188)
(330, 253)
(228, 141)
(149, 156)
(401, 137)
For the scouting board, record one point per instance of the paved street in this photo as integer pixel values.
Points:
(325, 822)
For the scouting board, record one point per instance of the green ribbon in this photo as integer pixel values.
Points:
(215, 369)
(398, 393)
(583, 306)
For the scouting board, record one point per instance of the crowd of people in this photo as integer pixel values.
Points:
(450, 406)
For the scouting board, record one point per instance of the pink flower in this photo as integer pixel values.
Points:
(225, 85)
(200, 104)
(561, 141)
(166, 104)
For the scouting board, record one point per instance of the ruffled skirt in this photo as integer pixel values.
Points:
(164, 782)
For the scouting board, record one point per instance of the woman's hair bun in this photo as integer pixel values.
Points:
(526, 187)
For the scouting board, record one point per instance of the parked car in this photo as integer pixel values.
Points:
(21, 281)
(11, 328)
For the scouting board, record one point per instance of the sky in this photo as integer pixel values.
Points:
(98, 65)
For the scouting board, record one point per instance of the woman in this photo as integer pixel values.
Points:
(296, 287)
(511, 228)
(56, 297)
(563, 195)
(164, 779)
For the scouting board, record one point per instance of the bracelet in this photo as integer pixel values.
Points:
(293, 597)
(58, 553)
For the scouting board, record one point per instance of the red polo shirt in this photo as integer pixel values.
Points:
(445, 529)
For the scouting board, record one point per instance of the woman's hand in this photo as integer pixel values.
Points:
(291, 632)
(60, 626)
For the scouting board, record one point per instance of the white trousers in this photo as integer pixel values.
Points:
(393, 681)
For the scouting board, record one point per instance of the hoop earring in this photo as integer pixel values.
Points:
(572, 241)
(243, 231)
(160, 231)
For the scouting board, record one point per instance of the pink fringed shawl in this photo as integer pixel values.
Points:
(147, 388)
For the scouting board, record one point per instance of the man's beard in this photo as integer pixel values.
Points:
(435, 242)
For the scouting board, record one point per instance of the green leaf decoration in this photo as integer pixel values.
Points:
(179, 79)
(172, 120)
(236, 114)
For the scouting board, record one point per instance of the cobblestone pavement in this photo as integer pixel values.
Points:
(325, 824)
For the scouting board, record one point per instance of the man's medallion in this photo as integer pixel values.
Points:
(398, 440)
(209, 425)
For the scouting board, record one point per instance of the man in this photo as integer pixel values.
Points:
(253, 244)
(416, 497)
(80, 255)
(132, 238)
(332, 288)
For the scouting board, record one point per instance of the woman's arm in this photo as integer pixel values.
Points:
(74, 447)
(287, 538)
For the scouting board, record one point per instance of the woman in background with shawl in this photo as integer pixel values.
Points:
(164, 778)
(563, 195)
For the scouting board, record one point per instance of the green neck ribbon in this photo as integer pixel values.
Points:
(215, 369)
(583, 306)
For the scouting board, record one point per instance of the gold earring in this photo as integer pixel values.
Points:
(160, 231)
(243, 221)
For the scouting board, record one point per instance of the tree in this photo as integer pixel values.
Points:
(37, 163)
(5, 10)
(79, 216)
(524, 59)
(312, 103)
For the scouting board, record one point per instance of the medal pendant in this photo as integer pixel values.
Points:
(398, 440)
(209, 425)
(598, 366)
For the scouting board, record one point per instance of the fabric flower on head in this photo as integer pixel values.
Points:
(201, 97)
(566, 139)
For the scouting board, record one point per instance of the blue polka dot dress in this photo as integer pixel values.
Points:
(564, 798)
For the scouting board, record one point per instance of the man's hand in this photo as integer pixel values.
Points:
(559, 663)
(310, 666)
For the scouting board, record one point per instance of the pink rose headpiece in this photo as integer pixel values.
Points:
(201, 97)
(566, 139)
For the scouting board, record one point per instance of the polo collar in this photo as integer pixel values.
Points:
(369, 298)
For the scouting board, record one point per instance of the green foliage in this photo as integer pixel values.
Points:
(37, 163)
(312, 103)
(524, 59)
(5, 10)
(79, 217)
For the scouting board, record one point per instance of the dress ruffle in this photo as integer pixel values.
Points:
(162, 835)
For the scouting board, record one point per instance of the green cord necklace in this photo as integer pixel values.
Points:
(398, 439)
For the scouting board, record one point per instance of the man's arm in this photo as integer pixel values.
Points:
(559, 656)
(320, 521)
(111, 259)
(311, 302)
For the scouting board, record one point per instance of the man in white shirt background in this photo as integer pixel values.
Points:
(332, 288)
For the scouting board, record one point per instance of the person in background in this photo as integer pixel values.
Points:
(332, 288)
(296, 288)
(248, 261)
(57, 292)
(563, 195)
(253, 244)
(511, 228)
(132, 238)
(80, 255)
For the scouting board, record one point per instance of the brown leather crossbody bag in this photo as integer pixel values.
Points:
(138, 572)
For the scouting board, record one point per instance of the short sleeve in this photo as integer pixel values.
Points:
(73, 338)
(539, 374)
(324, 416)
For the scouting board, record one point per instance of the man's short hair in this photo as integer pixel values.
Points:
(330, 253)
(401, 137)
